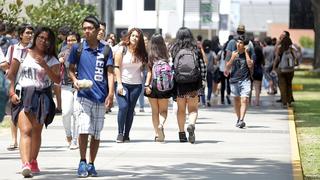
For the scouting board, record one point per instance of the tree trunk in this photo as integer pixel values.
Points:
(316, 12)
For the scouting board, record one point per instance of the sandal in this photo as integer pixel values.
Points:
(12, 147)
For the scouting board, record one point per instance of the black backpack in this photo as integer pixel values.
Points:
(186, 67)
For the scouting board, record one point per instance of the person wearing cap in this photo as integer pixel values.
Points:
(91, 103)
(232, 44)
(239, 60)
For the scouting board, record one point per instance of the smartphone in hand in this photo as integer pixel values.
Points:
(18, 91)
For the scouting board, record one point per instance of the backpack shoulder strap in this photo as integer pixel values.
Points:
(124, 50)
(11, 53)
(79, 51)
(106, 51)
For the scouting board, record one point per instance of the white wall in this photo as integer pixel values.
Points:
(133, 15)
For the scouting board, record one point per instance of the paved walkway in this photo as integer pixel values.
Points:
(261, 151)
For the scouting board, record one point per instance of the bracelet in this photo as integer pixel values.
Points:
(116, 67)
(146, 85)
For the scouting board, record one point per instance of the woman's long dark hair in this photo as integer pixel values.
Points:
(206, 45)
(285, 44)
(51, 49)
(139, 50)
(157, 50)
(184, 40)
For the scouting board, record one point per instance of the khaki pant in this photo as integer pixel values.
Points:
(285, 85)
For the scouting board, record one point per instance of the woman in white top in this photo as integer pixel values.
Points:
(25, 32)
(32, 103)
(129, 61)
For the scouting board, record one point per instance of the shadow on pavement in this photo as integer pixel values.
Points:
(236, 168)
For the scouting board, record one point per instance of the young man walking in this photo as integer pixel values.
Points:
(94, 81)
(240, 82)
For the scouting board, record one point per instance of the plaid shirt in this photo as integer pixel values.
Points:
(203, 68)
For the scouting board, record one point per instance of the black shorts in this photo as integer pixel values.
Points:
(158, 94)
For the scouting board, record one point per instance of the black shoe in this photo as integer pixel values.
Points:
(208, 104)
(182, 137)
(241, 124)
(126, 139)
(222, 102)
(192, 137)
(279, 101)
(228, 100)
(284, 106)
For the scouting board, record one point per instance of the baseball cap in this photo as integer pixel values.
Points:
(241, 28)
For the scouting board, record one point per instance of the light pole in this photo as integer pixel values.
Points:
(157, 7)
(183, 12)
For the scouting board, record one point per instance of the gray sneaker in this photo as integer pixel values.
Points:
(192, 137)
(120, 138)
(237, 124)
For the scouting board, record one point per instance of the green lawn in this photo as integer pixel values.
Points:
(307, 114)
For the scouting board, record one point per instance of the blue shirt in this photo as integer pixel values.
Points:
(92, 66)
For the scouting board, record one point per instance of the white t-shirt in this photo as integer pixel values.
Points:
(222, 62)
(130, 72)
(17, 50)
(32, 74)
(2, 59)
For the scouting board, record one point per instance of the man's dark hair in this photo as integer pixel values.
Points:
(268, 40)
(64, 30)
(103, 24)
(244, 39)
(287, 33)
(23, 28)
(199, 38)
(274, 41)
(93, 20)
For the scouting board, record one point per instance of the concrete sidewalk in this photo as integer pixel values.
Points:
(261, 151)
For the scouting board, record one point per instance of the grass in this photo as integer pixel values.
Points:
(307, 115)
(6, 122)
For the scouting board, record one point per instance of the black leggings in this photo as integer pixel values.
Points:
(223, 85)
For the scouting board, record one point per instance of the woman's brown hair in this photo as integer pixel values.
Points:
(139, 50)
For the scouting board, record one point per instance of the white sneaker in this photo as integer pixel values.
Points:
(73, 146)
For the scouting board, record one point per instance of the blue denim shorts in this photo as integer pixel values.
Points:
(241, 88)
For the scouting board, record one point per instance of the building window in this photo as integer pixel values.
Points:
(149, 5)
(119, 5)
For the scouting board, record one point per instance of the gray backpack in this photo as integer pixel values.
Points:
(287, 61)
(186, 67)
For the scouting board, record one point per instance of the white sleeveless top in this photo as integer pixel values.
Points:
(130, 72)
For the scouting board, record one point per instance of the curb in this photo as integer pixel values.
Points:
(295, 155)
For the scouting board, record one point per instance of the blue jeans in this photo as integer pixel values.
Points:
(141, 97)
(126, 107)
(209, 85)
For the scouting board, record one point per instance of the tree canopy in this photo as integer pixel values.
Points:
(50, 13)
